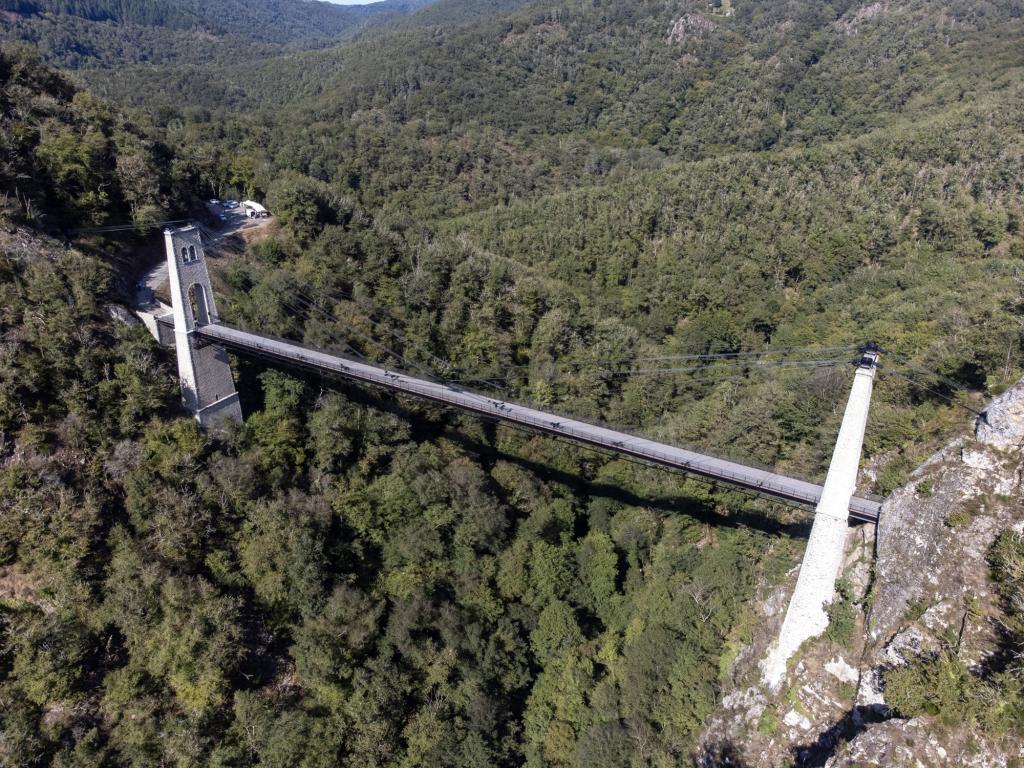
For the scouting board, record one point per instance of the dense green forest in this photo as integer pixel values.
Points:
(113, 33)
(67, 159)
(273, 20)
(156, 13)
(548, 201)
(342, 581)
(561, 95)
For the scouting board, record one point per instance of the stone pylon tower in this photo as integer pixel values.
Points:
(806, 616)
(207, 387)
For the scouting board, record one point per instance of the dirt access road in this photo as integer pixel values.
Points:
(153, 282)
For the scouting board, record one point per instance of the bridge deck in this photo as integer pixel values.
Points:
(750, 478)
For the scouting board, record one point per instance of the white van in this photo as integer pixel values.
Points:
(254, 210)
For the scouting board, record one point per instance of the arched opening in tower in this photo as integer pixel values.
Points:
(198, 302)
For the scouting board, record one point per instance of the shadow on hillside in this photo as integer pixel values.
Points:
(681, 505)
(720, 755)
(425, 426)
(854, 722)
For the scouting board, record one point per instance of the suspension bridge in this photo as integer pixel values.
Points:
(201, 341)
(777, 486)
(209, 392)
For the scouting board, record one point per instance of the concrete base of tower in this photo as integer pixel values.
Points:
(815, 588)
(217, 415)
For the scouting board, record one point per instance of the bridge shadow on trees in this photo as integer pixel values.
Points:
(699, 509)
(429, 422)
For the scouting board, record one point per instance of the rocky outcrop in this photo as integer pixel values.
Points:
(1003, 422)
(915, 743)
(929, 581)
(690, 26)
(850, 24)
(933, 538)
(934, 535)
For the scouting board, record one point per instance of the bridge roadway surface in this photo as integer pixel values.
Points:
(750, 478)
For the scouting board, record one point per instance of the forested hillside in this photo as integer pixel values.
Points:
(155, 13)
(113, 33)
(69, 160)
(342, 581)
(562, 95)
(566, 202)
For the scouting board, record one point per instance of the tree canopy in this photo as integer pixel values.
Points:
(557, 202)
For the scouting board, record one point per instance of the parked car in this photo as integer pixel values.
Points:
(230, 203)
(215, 201)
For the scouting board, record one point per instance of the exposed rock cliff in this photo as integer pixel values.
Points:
(927, 587)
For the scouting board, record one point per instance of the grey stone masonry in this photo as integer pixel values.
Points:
(207, 387)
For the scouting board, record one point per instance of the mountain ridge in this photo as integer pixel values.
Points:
(105, 33)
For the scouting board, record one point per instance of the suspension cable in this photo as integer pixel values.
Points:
(432, 374)
(369, 339)
(941, 395)
(727, 368)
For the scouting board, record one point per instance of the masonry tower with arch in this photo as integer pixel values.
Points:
(207, 386)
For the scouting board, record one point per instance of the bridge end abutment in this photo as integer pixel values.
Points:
(806, 616)
(207, 385)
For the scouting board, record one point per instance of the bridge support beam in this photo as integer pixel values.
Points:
(806, 618)
(207, 386)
